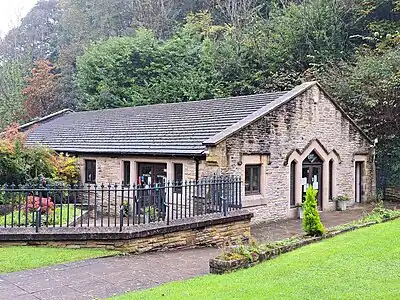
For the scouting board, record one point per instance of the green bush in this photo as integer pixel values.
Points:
(379, 214)
(20, 164)
(311, 222)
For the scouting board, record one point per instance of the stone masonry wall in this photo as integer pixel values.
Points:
(294, 125)
(215, 233)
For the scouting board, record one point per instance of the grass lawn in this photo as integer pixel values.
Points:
(364, 264)
(20, 258)
(53, 218)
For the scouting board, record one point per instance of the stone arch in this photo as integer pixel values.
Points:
(300, 155)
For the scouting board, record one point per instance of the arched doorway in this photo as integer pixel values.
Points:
(312, 175)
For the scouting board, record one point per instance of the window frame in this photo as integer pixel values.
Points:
(252, 167)
(87, 162)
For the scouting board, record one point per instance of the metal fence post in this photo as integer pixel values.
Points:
(38, 214)
(121, 217)
(224, 205)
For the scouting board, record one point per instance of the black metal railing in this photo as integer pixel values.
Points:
(114, 205)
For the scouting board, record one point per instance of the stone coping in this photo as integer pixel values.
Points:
(16, 234)
(220, 266)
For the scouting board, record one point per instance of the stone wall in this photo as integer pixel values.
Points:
(310, 118)
(310, 121)
(210, 230)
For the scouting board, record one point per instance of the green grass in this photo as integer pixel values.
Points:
(21, 258)
(363, 264)
(54, 217)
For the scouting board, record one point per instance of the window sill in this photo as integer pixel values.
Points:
(254, 200)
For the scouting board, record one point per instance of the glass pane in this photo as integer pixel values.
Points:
(305, 181)
(160, 174)
(247, 178)
(178, 172)
(145, 173)
(127, 172)
(256, 179)
(293, 183)
(315, 178)
(90, 171)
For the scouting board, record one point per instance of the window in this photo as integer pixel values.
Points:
(252, 179)
(178, 177)
(293, 184)
(152, 173)
(90, 171)
(331, 180)
(126, 173)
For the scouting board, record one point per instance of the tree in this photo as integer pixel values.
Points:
(113, 72)
(304, 35)
(136, 70)
(311, 222)
(37, 36)
(41, 91)
(12, 74)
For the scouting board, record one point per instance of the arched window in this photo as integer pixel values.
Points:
(293, 183)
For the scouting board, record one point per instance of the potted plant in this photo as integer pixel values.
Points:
(300, 210)
(150, 213)
(341, 202)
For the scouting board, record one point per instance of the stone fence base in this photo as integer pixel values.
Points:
(208, 230)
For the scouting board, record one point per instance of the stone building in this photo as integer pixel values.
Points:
(278, 142)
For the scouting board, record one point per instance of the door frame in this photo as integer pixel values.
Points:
(320, 202)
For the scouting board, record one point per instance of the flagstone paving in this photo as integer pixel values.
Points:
(104, 277)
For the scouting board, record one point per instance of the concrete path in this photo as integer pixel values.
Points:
(280, 230)
(105, 277)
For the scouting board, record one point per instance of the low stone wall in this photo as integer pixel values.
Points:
(392, 194)
(208, 230)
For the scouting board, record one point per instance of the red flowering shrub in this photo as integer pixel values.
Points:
(34, 202)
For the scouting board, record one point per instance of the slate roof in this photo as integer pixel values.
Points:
(171, 129)
(184, 128)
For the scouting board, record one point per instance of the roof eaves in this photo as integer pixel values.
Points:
(219, 137)
(130, 152)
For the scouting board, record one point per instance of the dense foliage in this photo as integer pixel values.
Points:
(94, 54)
(311, 222)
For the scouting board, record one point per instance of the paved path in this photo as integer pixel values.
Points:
(276, 231)
(105, 277)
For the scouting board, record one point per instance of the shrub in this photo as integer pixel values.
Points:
(311, 222)
(58, 216)
(33, 165)
(66, 168)
(379, 214)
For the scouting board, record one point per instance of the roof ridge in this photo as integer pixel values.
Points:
(45, 118)
(184, 102)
